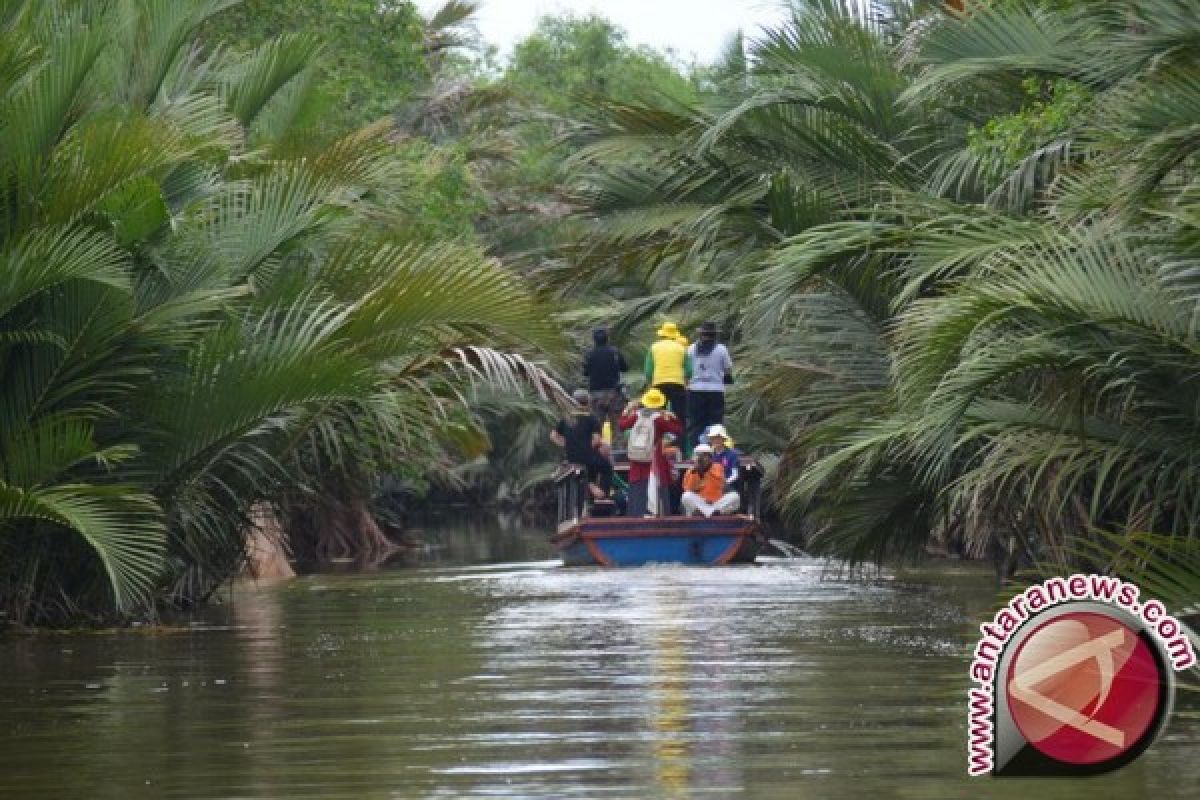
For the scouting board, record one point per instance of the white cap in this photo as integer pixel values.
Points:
(702, 448)
(718, 430)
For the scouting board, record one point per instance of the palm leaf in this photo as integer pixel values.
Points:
(250, 85)
(121, 525)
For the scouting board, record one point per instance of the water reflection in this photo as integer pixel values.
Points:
(259, 629)
(524, 680)
(762, 682)
(669, 708)
(509, 537)
(693, 711)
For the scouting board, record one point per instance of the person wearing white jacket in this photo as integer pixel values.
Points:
(712, 370)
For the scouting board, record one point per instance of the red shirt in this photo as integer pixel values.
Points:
(639, 471)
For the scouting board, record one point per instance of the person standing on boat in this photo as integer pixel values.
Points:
(704, 488)
(580, 437)
(668, 370)
(602, 366)
(650, 473)
(712, 370)
(673, 453)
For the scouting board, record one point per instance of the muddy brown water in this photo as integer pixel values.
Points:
(483, 669)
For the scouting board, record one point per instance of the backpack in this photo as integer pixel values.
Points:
(641, 439)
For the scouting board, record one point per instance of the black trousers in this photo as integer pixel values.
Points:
(704, 409)
(639, 498)
(600, 467)
(606, 406)
(677, 400)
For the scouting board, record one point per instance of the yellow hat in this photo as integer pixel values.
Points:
(653, 398)
(668, 330)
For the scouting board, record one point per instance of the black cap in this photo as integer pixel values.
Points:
(709, 329)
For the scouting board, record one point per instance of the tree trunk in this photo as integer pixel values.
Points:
(266, 548)
(339, 532)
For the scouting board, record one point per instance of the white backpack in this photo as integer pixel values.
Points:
(641, 439)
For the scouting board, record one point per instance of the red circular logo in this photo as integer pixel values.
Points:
(1084, 688)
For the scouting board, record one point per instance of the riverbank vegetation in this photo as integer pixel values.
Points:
(957, 252)
(270, 258)
(199, 315)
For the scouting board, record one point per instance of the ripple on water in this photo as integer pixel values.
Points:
(527, 680)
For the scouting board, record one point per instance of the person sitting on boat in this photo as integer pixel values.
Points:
(668, 369)
(670, 448)
(704, 488)
(650, 472)
(723, 453)
(580, 437)
(674, 454)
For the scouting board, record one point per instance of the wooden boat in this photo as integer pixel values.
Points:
(585, 538)
(634, 542)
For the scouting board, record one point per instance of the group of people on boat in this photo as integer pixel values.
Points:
(680, 416)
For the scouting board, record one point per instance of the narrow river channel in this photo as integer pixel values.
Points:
(486, 670)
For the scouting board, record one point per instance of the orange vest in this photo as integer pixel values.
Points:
(711, 487)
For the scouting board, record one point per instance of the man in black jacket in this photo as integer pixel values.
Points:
(579, 435)
(602, 366)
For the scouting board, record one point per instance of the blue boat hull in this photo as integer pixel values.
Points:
(627, 542)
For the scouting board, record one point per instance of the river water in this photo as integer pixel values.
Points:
(485, 670)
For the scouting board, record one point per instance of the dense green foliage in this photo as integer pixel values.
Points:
(192, 327)
(378, 61)
(373, 56)
(568, 59)
(1052, 108)
(957, 255)
(512, 131)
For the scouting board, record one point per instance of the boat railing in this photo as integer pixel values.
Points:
(749, 486)
(570, 484)
(573, 496)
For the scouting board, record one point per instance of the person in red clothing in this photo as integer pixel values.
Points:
(650, 473)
